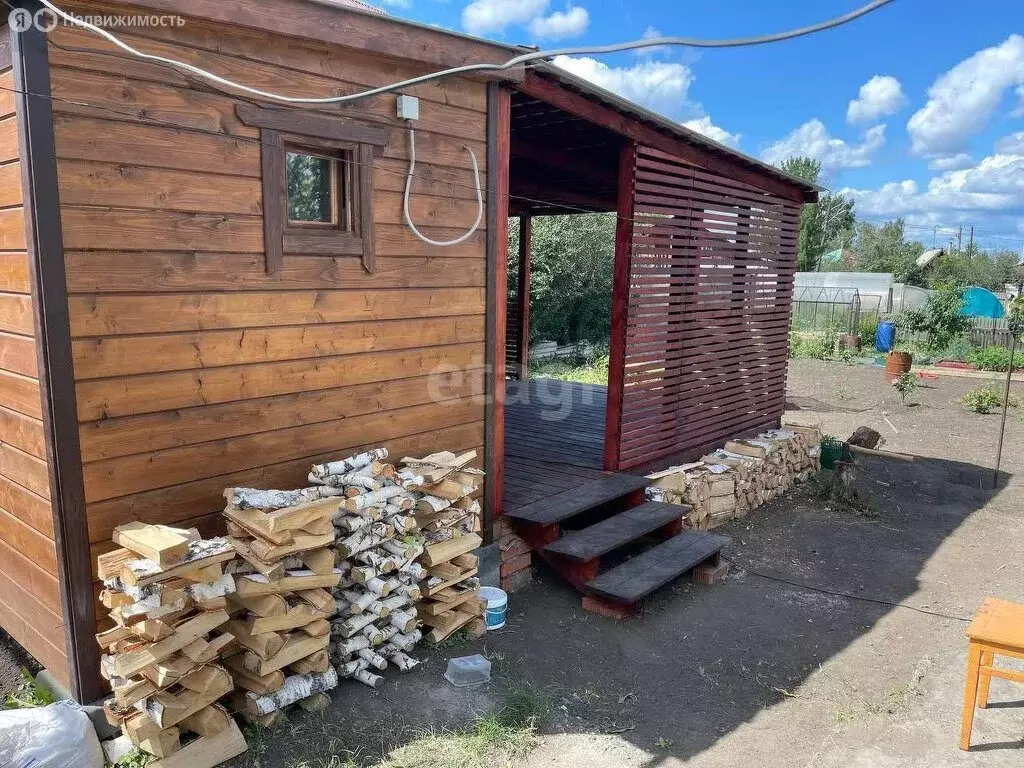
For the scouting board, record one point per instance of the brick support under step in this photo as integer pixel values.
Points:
(710, 573)
(609, 609)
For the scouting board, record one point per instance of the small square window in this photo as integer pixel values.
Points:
(319, 189)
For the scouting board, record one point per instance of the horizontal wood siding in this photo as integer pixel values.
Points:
(711, 274)
(30, 607)
(195, 370)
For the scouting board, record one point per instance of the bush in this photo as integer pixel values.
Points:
(868, 329)
(816, 348)
(959, 349)
(990, 358)
(795, 344)
(986, 399)
(905, 384)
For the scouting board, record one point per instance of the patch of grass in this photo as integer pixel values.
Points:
(332, 761)
(580, 371)
(498, 740)
(29, 694)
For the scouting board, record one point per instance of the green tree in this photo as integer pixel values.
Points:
(941, 318)
(825, 225)
(571, 277)
(885, 249)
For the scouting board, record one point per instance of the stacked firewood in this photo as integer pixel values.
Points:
(448, 513)
(378, 543)
(166, 592)
(731, 482)
(281, 606)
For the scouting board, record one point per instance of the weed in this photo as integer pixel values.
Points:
(454, 640)
(663, 743)
(986, 399)
(29, 694)
(842, 393)
(134, 759)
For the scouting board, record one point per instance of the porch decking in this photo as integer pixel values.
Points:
(554, 438)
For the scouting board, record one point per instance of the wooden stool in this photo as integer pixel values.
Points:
(997, 629)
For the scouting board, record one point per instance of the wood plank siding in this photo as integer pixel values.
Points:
(195, 369)
(30, 603)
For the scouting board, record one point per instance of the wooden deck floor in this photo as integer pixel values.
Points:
(554, 438)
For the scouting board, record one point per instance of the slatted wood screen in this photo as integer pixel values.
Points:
(711, 272)
(512, 338)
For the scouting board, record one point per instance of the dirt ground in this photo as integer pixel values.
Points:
(767, 668)
(762, 670)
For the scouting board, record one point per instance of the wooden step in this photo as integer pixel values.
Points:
(562, 506)
(590, 543)
(644, 573)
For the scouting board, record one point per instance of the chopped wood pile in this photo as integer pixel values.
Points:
(449, 516)
(378, 545)
(166, 591)
(738, 478)
(281, 606)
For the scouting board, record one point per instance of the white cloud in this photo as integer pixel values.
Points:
(1012, 144)
(561, 24)
(880, 96)
(650, 34)
(993, 186)
(812, 139)
(705, 127)
(961, 101)
(951, 163)
(660, 85)
(481, 17)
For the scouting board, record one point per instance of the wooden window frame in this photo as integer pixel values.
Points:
(286, 129)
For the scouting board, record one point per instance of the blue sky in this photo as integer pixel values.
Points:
(915, 110)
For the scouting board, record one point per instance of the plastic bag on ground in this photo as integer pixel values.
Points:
(57, 736)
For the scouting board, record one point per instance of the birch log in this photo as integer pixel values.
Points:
(295, 688)
(351, 464)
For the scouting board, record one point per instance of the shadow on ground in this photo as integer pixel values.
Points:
(700, 661)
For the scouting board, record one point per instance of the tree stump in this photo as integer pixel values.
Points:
(865, 437)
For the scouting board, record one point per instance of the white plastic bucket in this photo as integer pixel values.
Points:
(497, 606)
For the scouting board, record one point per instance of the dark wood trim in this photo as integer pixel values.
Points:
(308, 241)
(291, 120)
(523, 298)
(642, 133)
(499, 122)
(275, 193)
(365, 155)
(620, 307)
(53, 348)
(366, 32)
(528, 150)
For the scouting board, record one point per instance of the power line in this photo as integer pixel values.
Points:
(516, 61)
(148, 120)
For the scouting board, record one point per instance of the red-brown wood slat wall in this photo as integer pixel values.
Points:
(711, 271)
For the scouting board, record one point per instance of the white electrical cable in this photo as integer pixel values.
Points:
(469, 68)
(408, 189)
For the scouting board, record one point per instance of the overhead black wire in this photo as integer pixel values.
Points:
(846, 595)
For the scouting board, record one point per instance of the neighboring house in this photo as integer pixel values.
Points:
(201, 290)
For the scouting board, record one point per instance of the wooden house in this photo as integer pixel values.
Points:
(178, 314)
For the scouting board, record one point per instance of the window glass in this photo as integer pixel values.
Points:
(311, 188)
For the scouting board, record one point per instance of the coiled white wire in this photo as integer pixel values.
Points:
(408, 191)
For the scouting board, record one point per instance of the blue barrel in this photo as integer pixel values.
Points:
(885, 338)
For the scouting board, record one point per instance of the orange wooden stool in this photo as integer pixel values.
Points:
(997, 630)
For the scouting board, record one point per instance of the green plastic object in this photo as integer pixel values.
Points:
(830, 454)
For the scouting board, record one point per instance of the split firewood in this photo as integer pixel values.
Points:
(295, 687)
